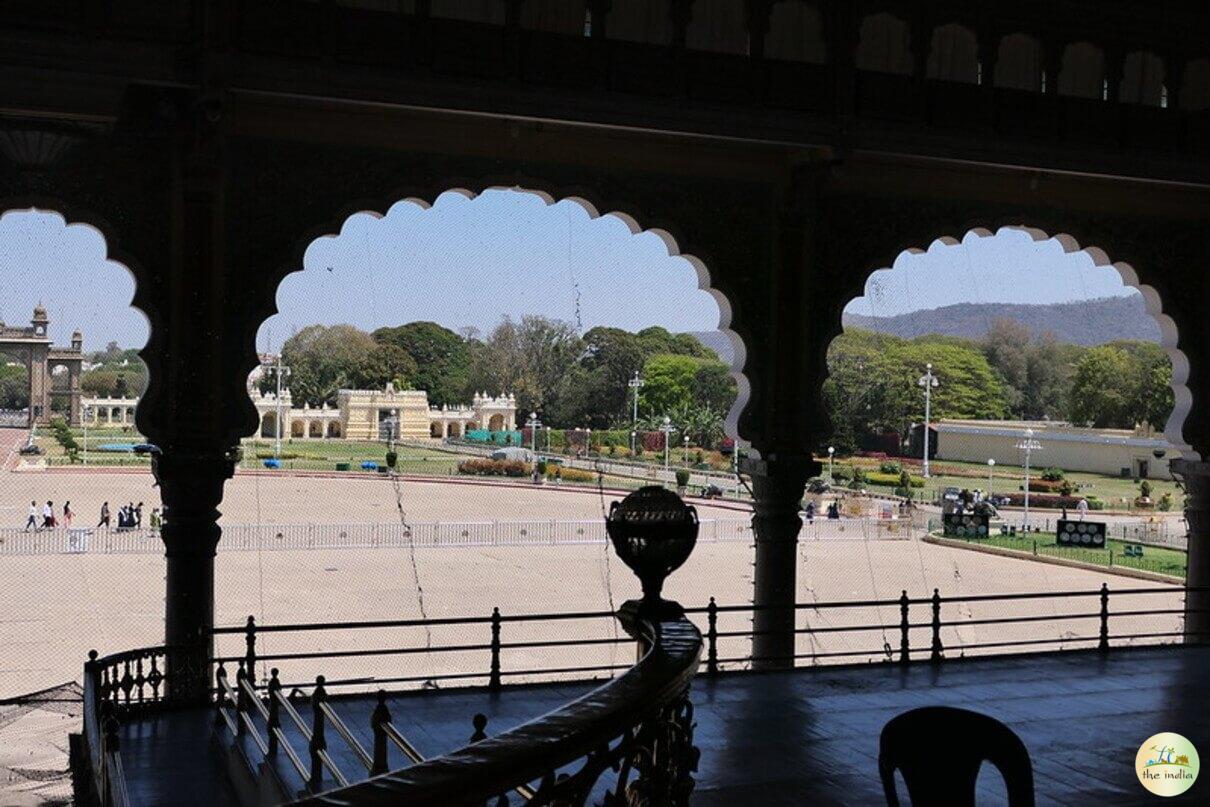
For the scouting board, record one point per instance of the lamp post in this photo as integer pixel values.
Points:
(991, 464)
(587, 441)
(84, 416)
(280, 371)
(533, 425)
(685, 442)
(635, 384)
(633, 437)
(929, 382)
(831, 454)
(1029, 445)
(667, 429)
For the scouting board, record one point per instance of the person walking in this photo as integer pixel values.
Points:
(67, 514)
(138, 516)
(48, 516)
(31, 523)
(104, 522)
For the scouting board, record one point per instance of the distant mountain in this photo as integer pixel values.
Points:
(717, 341)
(1093, 322)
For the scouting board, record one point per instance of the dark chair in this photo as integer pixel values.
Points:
(939, 751)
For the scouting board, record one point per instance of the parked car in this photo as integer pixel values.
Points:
(513, 454)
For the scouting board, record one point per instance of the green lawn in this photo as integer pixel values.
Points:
(1155, 559)
(1117, 493)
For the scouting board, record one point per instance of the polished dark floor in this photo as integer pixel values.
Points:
(808, 737)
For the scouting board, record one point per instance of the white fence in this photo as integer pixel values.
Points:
(433, 534)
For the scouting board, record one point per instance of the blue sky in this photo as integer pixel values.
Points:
(470, 262)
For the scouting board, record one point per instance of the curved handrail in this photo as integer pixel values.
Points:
(485, 769)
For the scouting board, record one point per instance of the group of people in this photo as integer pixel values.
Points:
(130, 517)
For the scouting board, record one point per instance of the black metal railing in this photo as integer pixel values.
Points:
(639, 725)
(923, 629)
(930, 626)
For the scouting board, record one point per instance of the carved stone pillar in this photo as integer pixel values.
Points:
(1196, 479)
(778, 485)
(191, 488)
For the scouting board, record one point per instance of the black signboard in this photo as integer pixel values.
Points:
(1086, 534)
(966, 525)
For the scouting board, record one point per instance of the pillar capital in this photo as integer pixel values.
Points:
(191, 486)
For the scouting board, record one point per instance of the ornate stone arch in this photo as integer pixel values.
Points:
(77, 217)
(1175, 430)
(546, 192)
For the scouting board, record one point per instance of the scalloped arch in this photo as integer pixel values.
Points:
(1183, 398)
(704, 279)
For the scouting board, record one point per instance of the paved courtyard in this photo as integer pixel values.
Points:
(53, 608)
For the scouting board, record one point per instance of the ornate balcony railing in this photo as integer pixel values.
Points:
(932, 629)
(638, 725)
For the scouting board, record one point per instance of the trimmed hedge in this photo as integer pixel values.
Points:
(478, 467)
(570, 474)
(890, 480)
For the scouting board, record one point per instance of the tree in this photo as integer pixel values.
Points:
(668, 384)
(323, 360)
(385, 363)
(1101, 389)
(442, 359)
(872, 385)
(713, 386)
(527, 359)
(14, 386)
(656, 340)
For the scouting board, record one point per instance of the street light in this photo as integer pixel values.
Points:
(1029, 445)
(991, 464)
(929, 382)
(635, 384)
(281, 371)
(686, 444)
(667, 429)
(533, 425)
(84, 416)
(587, 441)
(831, 454)
(633, 437)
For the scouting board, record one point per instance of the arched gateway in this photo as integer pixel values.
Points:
(32, 346)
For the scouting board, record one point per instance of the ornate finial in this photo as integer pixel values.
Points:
(479, 721)
(653, 532)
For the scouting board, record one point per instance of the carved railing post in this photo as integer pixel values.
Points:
(250, 650)
(935, 654)
(904, 629)
(1103, 643)
(493, 681)
(274, 721)
(378, 724)
(712, 638)
(319, 742)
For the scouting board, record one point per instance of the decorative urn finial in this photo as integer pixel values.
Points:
(653, 532)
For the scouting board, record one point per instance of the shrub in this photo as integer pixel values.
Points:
(1165, 502)
(1054, 475)
(269, 455)
(541, 467)
(1046, 486)
(893, 480)
(570, 474)
(682, 477)
(842, 472)
(1145, 489)
(484, 467)
(699, 458)
(890, 468)
(1094, 503)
